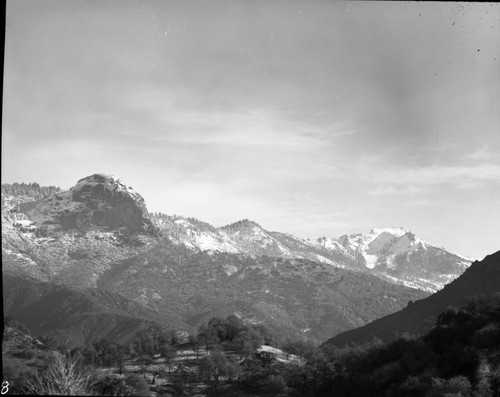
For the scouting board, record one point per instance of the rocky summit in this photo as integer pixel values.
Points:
(99, 200)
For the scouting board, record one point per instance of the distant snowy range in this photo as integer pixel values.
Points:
(394, 254)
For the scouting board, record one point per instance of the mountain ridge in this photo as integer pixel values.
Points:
(104, 204)
(385, 252)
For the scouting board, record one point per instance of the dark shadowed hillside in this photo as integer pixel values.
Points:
(481, 278)
(81, 315)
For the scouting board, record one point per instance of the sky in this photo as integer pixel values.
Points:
(314, 118)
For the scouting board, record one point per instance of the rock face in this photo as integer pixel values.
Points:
(99, 200)
(111, 204)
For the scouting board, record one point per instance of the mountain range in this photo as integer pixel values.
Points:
(393, 254)
(97, 249)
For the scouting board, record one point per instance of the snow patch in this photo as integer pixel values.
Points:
(395, 231)
(371, 260)
(230, 269)
(391, 264)
(110, 182)
(322, 259)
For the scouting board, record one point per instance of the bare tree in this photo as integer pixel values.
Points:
(64, 376)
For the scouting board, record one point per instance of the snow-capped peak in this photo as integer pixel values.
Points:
(395, 231)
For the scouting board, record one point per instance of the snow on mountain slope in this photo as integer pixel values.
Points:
(47, 234)
(103, 206)
(243, 237)
(394, 254)
(397, 254)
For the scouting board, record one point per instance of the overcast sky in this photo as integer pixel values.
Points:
(309, 117)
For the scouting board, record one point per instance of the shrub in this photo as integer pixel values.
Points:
(109, 386)
(457, 386)
(136, 385)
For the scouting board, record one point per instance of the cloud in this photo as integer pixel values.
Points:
(393, 179)
(396, 189)
(420, 203)
(483, 154)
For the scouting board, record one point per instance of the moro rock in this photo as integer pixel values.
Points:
(97, 201)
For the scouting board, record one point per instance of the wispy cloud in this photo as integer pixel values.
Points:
(420, 203)
(395, 189)
(243, 126)
(401, 180)
(483, 154)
